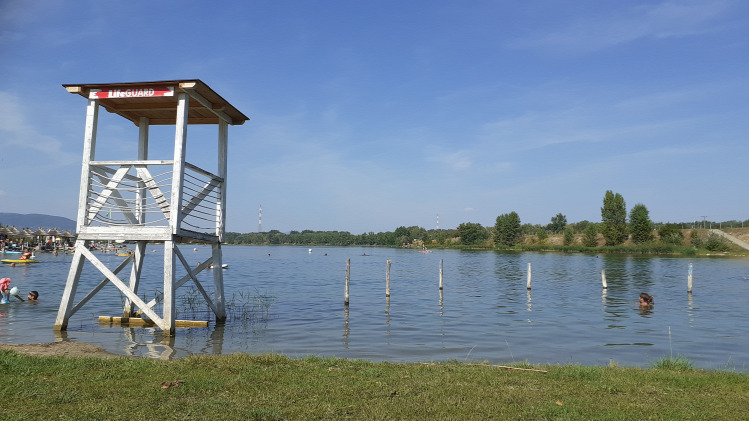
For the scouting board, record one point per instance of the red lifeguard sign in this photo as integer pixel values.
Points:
(134, 92)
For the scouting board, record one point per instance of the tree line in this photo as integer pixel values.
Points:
(616, 227)
(401, 236)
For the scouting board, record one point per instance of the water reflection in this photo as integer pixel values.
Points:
(161, 347)
(346, 330)
(690, 309)
(152, 343)
(529, 304)
(645, 311)
(387, 320)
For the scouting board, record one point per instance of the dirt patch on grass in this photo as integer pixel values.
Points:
(61, 349)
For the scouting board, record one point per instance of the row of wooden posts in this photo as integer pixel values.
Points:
(605, 285)
(528, 285)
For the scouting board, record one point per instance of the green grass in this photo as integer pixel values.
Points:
(273, 387)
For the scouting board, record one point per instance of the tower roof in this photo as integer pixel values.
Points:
(158, 101)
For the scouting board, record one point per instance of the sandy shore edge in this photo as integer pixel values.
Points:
(61, 349)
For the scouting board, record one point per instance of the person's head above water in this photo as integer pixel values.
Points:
(646, 299)
(33, 296)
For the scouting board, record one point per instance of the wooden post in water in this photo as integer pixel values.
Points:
(348, 276)
(603, 279)
(689, 279)
(441, 274)
(528, 285)
(387, 279)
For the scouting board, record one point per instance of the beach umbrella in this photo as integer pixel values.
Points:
(3, 233)
(40, 233)
(26, 233)
(13, 232)
(67, 234)
(55, 233)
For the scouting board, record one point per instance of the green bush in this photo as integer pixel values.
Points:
(569, 236)
(716, 242)
(542, 236)
(590, 236)
(695, 239)
(671, 234)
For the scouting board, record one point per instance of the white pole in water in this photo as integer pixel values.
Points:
(348, 276)
(441, 274)
(603, 279)
(689, 279)
(387, 278)
(529, 276)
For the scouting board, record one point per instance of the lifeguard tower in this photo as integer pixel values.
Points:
(151, 201)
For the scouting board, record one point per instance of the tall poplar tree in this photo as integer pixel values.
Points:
(614, 219)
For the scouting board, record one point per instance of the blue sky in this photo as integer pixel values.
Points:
(366, 116)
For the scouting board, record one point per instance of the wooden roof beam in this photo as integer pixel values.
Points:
(189, 89)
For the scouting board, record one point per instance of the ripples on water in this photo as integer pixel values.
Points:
(485, 312)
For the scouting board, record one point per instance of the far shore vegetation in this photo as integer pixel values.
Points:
(617, 232)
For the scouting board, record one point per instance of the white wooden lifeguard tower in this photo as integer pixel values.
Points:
(151, 201)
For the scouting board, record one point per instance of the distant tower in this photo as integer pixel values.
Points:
(260, 219)
(438, 221)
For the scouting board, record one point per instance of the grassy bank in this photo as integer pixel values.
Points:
(272, 387)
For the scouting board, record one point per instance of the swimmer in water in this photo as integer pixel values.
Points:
(645, 299)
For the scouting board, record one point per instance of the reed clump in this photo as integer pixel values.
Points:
(242, 306)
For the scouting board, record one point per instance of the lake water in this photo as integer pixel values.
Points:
(291, 301)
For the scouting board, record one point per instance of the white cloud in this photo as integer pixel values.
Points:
(19, 135)
(459, 160)
(601, 31)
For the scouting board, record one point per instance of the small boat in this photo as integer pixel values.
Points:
(12, 252)
(223, 266)
(21, 261)
(123, 254)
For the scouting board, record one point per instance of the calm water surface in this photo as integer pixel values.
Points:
(289, 300)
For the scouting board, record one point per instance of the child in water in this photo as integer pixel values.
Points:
(646, 299)
(6, 292)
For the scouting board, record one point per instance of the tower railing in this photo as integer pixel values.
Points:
(135, 196)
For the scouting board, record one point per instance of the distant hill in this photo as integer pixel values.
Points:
(37, 220)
